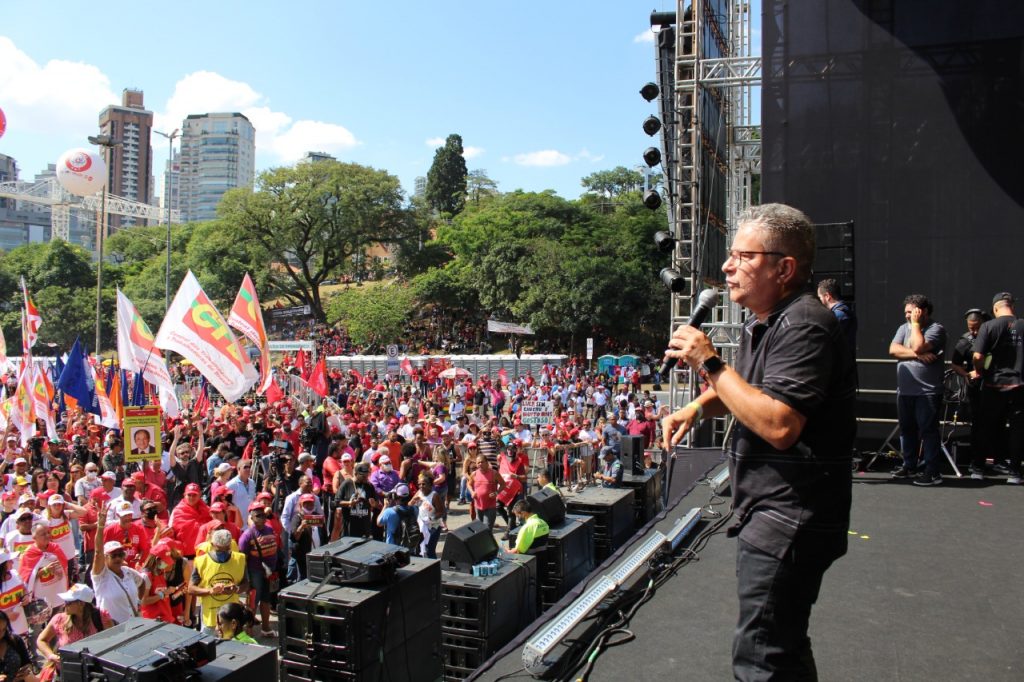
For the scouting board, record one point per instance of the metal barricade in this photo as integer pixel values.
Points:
(538, 457)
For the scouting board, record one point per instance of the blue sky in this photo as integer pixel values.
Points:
(543, 93)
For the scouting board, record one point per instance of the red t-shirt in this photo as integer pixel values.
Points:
(331, 466)
(134, 540)
(483, 486)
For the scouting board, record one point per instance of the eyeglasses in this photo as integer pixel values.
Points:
(747, 256)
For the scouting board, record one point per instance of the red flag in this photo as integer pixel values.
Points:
(300, 364)
(318, 378)
(357, 375)
(202, 403)
(30, 322)
(406, 366)
(420, 417)
(503, 375)
(273, 393)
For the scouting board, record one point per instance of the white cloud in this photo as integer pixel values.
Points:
(434, 142)
(276, 132)
(546, 157)
(60, 96)
(552, 157)
(472, 152)
(307, 136)
(647, 36)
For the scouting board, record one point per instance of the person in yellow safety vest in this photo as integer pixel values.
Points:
(533, 527)
(218, 577)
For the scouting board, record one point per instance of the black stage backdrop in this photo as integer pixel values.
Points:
(908, 119)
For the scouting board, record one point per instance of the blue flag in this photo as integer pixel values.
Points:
(138, 391)
(76, 380)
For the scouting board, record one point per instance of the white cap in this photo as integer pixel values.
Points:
(126, 509)
(21, 460)
(109, 474)
(222, 468)
(80, 592)
(55, 499)
(112, 546)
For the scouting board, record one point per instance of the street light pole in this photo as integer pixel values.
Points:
(167, 199)
(108, 145)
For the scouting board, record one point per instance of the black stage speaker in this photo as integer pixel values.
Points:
(140, 650)
(467, 546)
(349, 560)
(686, 466)
(549, 505)
(239, 662)
(389, 631)
(612, 509)
(632, 454)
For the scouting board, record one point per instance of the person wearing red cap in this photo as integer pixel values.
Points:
(131, 537)
(307, 531)
(156, 605)
(219, 519)
(261, 545)
(186, 519)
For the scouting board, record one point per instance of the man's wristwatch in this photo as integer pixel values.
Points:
(711, 366)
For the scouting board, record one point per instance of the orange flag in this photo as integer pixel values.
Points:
(247, 317)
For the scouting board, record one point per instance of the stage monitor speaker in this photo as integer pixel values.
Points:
(467, 546)
(138, 649)
(239, 662)
(686, 466)
(632, 454)
(549, 505)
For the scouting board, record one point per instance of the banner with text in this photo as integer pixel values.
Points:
(538, 412)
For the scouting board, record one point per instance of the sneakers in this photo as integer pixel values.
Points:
(1013, 480)
(928, 479)
(1002, 469)
(977, 474)
(902, 472)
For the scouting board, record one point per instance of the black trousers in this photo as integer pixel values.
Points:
(1002, 432)
(776, 597)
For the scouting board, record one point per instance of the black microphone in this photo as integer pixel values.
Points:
(707, 300)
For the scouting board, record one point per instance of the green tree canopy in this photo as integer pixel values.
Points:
(446, 179)
(311, 219)
(373, 314)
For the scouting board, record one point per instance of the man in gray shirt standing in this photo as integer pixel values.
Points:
(919, 345)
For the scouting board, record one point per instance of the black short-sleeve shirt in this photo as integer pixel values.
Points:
(798, 498)
(1002, 338)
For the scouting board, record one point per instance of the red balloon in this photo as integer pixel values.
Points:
(3, 123)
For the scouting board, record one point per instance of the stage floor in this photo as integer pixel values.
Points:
(929, 590)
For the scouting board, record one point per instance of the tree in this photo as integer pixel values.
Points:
(479, 186)
(612, 183)
(312, 219)
(372, 315)
(446, 179)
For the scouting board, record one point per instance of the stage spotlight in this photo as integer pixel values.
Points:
(672, 280)
(650, 92)
(664, 240)
(652, 199)
(652, 157)
(652, 125)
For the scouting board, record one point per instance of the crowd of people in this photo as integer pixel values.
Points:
(206, 534)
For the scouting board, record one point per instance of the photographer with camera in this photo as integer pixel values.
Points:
(356, 505)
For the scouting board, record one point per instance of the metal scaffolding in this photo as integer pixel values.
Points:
(50, 193)
(717, 155)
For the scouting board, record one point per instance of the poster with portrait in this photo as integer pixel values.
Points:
(142, 433)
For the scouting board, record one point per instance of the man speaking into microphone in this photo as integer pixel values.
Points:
(792, 394)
